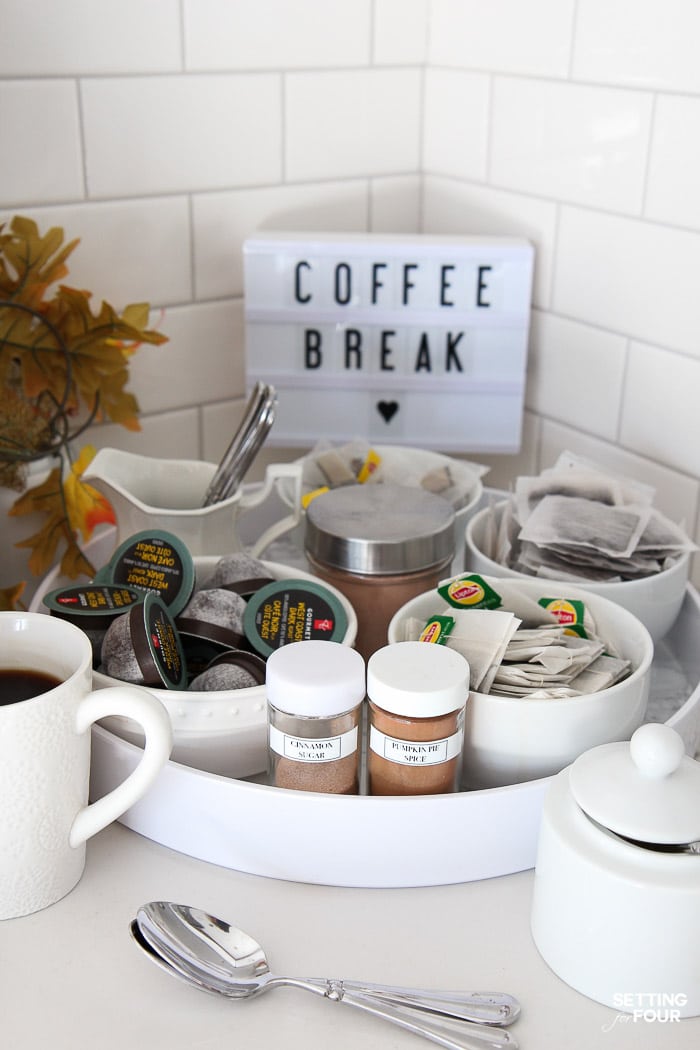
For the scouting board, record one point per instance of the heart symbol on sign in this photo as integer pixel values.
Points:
(387, 409)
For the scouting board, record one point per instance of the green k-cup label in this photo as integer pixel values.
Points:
(470, 592)
(157, 644)
(293, 611)
(437, 630)
(154, 561)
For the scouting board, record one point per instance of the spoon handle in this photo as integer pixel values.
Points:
(494, 1008)
(452, 1036)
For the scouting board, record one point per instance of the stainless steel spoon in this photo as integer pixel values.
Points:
(217, 958)
(258, 417)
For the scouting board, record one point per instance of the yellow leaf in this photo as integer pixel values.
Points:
(10, 597)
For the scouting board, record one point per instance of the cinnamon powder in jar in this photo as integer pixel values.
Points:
(417, 698)
(315, 690)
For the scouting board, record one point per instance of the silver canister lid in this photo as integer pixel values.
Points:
(380, 529)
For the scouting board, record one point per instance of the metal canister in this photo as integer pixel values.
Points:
(380, 545)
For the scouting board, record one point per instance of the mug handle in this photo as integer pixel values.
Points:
(278, 528)
(146, 709)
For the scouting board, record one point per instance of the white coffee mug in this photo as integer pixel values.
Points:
(45, 760)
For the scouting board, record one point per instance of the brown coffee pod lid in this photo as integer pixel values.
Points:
(254, 665)
(210, 632)
(246, 587)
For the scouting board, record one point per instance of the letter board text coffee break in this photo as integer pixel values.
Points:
(401, 339)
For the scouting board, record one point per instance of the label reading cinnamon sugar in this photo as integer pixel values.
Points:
(306, 749)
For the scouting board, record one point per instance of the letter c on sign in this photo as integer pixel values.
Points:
(297, 282)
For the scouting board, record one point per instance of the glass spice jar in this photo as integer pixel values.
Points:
(380, 545)
(417, 695)
(315, 690)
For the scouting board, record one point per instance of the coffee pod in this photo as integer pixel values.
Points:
(154, 561)
(293, 610)
(92, 607)
(236, 669)
(241, 573)
(143, 647)
(214, 615)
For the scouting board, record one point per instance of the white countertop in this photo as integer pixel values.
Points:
(71, 977)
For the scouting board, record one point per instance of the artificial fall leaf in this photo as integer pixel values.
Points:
(10, 597)
(30, 263)
(85, 505)
(61, 349)
(66, 508)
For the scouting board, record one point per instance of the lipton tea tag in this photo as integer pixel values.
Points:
(470, 592)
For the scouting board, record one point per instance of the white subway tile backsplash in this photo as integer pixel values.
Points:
(395, 204)
(337, 123)
(222, 221)
(129, 252)
(660, 417)
(76, 37)
(202, 362)
(163, 133)
(507, 36)
(673, 192)
(638, 43)
(675, 494)
(629, 276)
(220, 422)
(575, 374)
(181, 133)
(400, 32)
(455, 136)
(276, 34)
(168, 435)
(39, 142)
(570, 142)
(450, 206)
(504, 469)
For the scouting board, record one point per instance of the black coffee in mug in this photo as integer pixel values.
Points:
(22, 683)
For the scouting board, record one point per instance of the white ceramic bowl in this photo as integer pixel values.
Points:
(655, 600)
(222, 731)
(422, 461)
(512, 740)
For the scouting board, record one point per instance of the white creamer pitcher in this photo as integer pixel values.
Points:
(150, 493)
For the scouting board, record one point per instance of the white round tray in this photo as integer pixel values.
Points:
(365, 841)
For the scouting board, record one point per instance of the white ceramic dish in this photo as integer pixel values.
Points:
(509, 740)
(221, 732)
(655, 600)
(379, 842)
(421, 462)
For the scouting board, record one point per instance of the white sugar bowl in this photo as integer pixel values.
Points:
(616, 900)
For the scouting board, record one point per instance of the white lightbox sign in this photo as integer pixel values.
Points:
(400, 339)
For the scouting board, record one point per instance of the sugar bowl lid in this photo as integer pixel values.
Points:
(647, 790)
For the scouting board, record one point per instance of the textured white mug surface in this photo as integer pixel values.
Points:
(45, 761)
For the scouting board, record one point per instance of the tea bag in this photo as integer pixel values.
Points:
(482, 637)
(631, 490)
(602, 673)
(572, 521)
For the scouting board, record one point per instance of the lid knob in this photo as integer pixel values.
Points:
(656, 750)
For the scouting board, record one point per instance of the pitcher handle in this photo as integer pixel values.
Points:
(278, 528)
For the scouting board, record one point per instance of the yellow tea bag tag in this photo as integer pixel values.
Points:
(309, 496)
(370, 465)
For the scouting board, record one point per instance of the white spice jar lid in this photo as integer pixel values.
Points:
(315, 678)
(417, 679)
